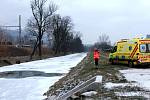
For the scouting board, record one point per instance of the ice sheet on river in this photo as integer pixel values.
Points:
(32, 88)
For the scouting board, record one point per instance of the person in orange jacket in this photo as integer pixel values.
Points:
(96, 56)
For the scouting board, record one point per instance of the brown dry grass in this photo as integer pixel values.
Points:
(12, 51)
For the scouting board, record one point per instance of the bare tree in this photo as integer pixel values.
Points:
(61, 28)
(76, 44)
(38, 24)
(66, 36)
(54, 32)
(104, 39)
(103, 42)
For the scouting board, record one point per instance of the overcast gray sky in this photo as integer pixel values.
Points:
(116, 18)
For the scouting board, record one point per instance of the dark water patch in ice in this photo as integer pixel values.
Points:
(24, 74)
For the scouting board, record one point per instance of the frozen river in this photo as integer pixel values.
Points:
(28, 81)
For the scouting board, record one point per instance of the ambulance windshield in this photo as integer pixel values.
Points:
(145, 48)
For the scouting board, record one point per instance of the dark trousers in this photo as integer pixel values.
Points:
(96, 61)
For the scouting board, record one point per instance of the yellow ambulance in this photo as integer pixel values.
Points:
(132, 52)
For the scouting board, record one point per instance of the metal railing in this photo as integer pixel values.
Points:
(91, 84)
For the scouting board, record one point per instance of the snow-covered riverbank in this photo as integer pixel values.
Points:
(32, 88)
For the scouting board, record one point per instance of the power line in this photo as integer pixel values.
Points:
(19, 26)
(9, 26)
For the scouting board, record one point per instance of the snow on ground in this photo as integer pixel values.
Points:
(32, 88)
(137, 78)
(52, 65)
(141, 76)
(111, 85)
(90, 93)
(26, 88)
(138, 93)
(121, 93)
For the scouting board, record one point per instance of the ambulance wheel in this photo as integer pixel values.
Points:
(112, 62)
(130, 64)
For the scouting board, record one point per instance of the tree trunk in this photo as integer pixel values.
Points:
(40, 47)
(35, 47)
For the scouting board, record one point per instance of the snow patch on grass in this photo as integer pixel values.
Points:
(89, 94)
(111, 85)
(127, 94)
(141, 76)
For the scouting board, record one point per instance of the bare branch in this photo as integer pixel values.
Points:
(41, 14)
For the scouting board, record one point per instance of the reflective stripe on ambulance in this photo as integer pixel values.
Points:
(134, 51)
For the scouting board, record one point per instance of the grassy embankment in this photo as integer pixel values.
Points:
(86, 69)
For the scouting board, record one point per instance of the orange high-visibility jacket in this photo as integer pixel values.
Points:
(96, 54)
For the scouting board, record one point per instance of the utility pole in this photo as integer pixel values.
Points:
(19, 26)
(20, 42)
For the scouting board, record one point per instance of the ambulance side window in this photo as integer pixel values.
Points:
(130, 48)
(143, 48)
(114, 49)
